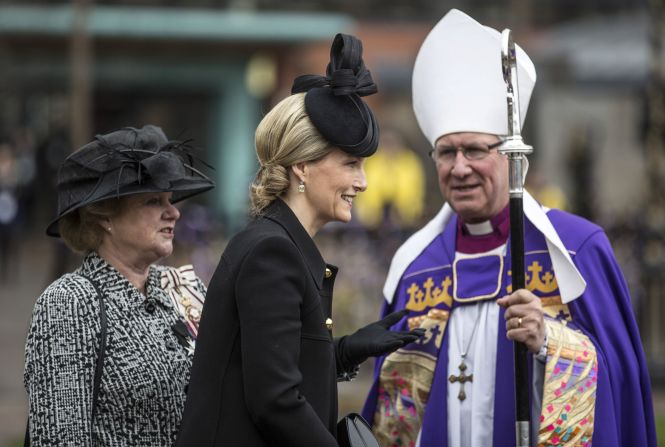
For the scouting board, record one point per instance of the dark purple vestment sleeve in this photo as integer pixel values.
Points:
(624, 410)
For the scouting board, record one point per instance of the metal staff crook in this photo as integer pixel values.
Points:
(515, 149)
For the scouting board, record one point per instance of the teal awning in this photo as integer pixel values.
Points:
(172, 23)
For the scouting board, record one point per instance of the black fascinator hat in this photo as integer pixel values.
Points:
(333, 102)
(124, 162)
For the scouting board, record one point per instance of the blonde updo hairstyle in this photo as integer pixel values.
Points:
(81, 229)
(284, 137)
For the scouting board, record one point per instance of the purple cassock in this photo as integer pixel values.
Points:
(596, 384)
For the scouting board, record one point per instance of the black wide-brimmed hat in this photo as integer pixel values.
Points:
(124, 162)
(334, 104)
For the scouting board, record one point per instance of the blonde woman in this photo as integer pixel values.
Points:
(266, 368)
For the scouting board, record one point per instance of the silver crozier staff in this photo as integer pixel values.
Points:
(516, 151)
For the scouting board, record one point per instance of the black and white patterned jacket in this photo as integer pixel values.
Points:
(146, 370)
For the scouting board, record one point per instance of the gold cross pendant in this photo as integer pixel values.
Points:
(462, 379)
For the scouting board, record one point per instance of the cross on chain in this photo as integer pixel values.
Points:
(462, 379)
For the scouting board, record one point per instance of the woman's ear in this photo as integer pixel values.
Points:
(105, 223)
(300, 171)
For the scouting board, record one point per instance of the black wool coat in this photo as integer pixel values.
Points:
(265, 367)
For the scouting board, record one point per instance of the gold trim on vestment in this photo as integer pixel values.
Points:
(479, 297)
(405, 382)
(569, 394)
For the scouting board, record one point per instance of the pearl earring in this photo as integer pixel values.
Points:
(301, 186)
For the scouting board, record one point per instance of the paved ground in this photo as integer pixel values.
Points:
(29, 275)
(27, 278)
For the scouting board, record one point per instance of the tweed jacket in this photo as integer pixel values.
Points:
(265, 367)
(146, 369)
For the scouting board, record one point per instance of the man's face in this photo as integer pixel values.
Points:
(476, 189)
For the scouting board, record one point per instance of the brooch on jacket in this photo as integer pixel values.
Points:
(180, 284)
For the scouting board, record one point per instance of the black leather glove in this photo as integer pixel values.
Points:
(375, 339)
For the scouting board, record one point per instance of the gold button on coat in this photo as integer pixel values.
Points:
(329, 323)
(328, 272)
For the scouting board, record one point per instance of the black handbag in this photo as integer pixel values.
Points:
(354, 431)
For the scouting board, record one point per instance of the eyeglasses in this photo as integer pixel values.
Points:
(472, 152)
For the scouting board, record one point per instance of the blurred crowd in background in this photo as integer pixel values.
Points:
(207, 70)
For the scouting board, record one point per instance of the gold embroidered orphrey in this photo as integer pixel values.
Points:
(406, 379)
(569, 391)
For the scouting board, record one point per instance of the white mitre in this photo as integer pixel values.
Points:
(458, 83)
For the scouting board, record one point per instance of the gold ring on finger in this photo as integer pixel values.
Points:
(519, 321)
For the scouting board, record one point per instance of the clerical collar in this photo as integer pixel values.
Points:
(484, 236)
(479, 229)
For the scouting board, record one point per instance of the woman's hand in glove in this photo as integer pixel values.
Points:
(376, 339)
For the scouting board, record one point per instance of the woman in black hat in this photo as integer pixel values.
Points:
(110, 346)
(266, 364)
